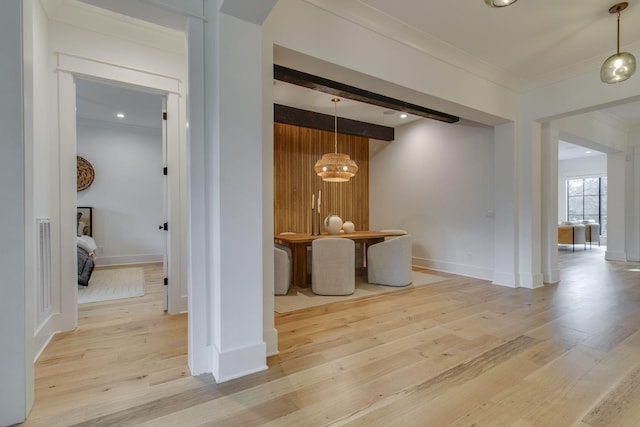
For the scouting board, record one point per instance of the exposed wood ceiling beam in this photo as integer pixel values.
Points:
(350, 92)
(310, 119)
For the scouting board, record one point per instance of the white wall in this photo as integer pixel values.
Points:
(577, 168)
(38, 164)
(127, 192)
(436, 181)
(13, 334)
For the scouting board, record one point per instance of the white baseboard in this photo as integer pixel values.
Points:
(239, 362)
(552, 276)
(454, 268)
(615, 256)
(505, 279)
(270, 337)
(43, 336)
(128, 259)
(531, 281)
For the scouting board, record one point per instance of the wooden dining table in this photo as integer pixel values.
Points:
(300, 241)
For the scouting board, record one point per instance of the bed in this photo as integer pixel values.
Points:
(86, 245)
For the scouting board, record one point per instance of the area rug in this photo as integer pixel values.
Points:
(299, 298)
(113, 283)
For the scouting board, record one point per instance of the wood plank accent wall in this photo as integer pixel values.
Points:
(296, 150)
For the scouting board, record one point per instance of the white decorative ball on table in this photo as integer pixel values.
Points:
(333, 224)
(348, 227)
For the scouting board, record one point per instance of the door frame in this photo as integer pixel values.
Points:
(70, 67)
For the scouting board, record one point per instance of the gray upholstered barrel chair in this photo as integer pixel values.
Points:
(282, 269)
(393, 230)
(389, 262)
(333, 271)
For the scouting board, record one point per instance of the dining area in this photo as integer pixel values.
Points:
(322, 237)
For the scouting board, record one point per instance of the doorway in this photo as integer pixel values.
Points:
(120, 134)
(582, 190)
(72, 68)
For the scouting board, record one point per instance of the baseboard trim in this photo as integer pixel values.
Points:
(615, 256)
(552, 277)
(236, 363)
(271, 339)
(531, 281)
(504, 279)
(128, 259)
(454, 268)
(43, 336)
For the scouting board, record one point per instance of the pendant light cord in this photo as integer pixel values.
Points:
(335, 123)
(618, 43)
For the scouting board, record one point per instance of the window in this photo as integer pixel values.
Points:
(587, 199)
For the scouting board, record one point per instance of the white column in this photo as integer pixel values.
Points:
(65, 214)
(233, 80)
(14, 359)
(550, 271)
(505, 212)
(616, 240)
(199, 196)
(633, 201)
(529, 202)
(269, 330)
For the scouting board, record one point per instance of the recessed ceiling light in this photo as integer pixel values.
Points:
(588, 152)
(388, 112)
(120, 115)
(403, 116)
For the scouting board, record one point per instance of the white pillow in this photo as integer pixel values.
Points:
(87, 243)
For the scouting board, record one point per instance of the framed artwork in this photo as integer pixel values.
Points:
(85, 221)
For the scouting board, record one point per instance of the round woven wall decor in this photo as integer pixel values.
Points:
(85, 173)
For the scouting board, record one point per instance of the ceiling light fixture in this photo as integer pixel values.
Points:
(403, 116)
(619, 67)
(335, 167)
(499, 3)
(120, 115)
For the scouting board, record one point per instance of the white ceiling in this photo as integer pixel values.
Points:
(529, 43)
(567, 151)
(101, 102)
(531, 39)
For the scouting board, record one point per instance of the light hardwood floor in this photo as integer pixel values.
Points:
(461, 352)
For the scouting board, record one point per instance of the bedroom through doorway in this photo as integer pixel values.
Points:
(121, 194)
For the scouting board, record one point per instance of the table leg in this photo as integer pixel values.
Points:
(299, 255)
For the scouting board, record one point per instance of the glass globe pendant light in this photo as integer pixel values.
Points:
(622, 65)
(499, 3)
(336, 167)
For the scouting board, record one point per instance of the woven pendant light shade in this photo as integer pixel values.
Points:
(335, 167)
